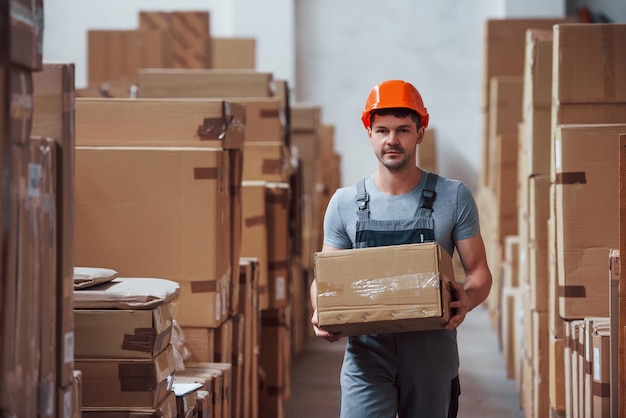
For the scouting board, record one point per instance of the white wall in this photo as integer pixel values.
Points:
(346, 47)
(332, 52)
(66, 23)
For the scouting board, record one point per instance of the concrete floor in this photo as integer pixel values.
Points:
(486, 391)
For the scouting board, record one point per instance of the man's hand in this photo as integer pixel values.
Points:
(320, 332)
(459, 305)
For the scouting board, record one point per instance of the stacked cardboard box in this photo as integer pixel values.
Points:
(572, 108)
(37, 373)
(124, 345)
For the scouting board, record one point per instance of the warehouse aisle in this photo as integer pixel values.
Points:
(486, 390)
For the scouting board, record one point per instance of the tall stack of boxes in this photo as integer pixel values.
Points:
(212, 198)
(37, 373)
(161, 39)
(571, 113)
(124, 345)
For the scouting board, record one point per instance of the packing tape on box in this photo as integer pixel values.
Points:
(145, 339)
(205, 173)
(204, 286)
(212, 129)
(602, 390)
(277, 265)
(572, 177)
(254, 221)
(572, 291)
(269, 113)
(142, 340)
(371, 288)
(271, 166)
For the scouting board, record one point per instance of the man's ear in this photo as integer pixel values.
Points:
(420, 135)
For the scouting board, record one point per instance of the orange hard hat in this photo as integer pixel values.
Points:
(394, 94)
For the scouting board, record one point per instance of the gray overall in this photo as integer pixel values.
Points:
(410, 374)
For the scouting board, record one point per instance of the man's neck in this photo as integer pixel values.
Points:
(397, 183)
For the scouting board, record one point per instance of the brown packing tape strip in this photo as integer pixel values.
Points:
(269, 113)
(204, 286)
(572, 343)
(205, 173)
(277, 265)
(554, 413)
(136, 376)
(182, 19)
(212, 129)
(271, 166)
(588, 366)
(154, 20)
(608, 44)
(262, 290)
(164, 336)
(278, 197)
(254, 221)
(571, 177)
(572, 291)
(142, 340)
(602, 390)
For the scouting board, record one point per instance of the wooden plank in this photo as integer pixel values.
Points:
(622, 280)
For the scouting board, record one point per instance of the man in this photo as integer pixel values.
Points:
(409, 374)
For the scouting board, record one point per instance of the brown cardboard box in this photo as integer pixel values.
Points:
(267, 161)
(214, 380)
(53, 117)
(154, 82)
(223, 342)
(254, 241)
(190, 122)
(121, 333)
(586, 204)
(272, 387)
(427, 151)
(25, 23)
(28, 363)
(541, 364)
(167, 408)
(233, 53)
(265, 119)
(127, 383)
(158, 212)
(504, 54)
(237, 362)
(277, 198)
(189, 32)
(537, 95)
(186, 397)
(225, 369)
(557, 373)
(249, 281)
(360, 292)
(601, 385)
(504, 46)
(505, 113)
(200, 342)
(539, 208)
(116, 55)
(589, 66)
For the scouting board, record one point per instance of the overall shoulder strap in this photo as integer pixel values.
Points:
(362, 197)
(428, 194)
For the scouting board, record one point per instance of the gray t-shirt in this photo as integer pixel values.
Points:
(454, 212)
